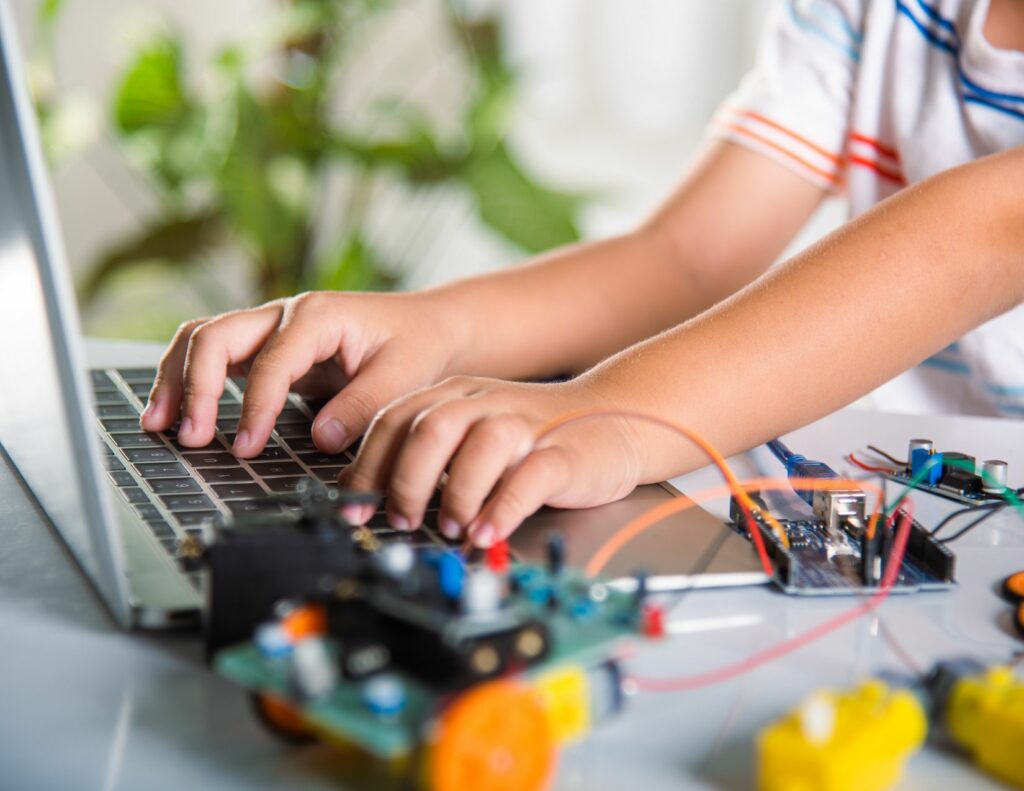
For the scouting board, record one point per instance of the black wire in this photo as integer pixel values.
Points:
(990, 512)
(970, 509)
(888, 456)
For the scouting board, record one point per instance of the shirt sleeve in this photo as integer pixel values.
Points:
(794, 107)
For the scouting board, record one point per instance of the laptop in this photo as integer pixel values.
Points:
(123, 500)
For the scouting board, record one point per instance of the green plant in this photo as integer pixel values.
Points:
(239, 162)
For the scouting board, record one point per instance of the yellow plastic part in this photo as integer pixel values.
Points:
(985, 714)
(565, 698)
(842, 741)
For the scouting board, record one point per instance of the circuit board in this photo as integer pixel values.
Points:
(960, 495)
(820, 562)
(588, 622)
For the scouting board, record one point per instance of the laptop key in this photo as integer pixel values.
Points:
(285, 484)
(230, 410)
(270, 468)
(112, 464)
(162, 469)
(122, 478)
(148, 511)
(134, 494)
(229, 437)
(174, 486)
(160, 528)
(271, 454)
(109, 397)
(237, 491)
(139, 455)
(320, 459)
(132, 375)
(137, 440)
(301, 444)
(195, 517)
(227, 423)
(187, 502)
(141, 389)
(212, 458)
(215, 444)
(261, 506)
(225, 475)
(121, 425)
(289, 430)
(116, 410)
(328, 474)
(291, 414)
(100, 378)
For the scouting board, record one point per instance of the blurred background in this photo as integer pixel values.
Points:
(210, 155)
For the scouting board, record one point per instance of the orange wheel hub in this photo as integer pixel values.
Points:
(494, 738)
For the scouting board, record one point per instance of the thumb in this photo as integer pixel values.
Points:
(345, 418)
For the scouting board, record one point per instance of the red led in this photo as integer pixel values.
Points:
(497, 557)
(653, 620)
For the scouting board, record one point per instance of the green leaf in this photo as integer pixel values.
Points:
(150, 94)
(353, 267)
(254, 205)
(49, 11)
(177, 240)
(525, 213)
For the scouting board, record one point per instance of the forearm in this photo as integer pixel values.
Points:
(568, 310)
(869, 301)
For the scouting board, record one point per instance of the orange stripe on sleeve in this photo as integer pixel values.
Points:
(798, 137)
(881, 170)
(741, 130)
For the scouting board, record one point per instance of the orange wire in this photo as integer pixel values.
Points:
(617, 540)
(870, 468)
(748, 505)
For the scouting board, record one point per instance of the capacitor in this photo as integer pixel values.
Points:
(993, 476)
(451, 574)
(481, 592)
(556, 552)
(396, 560)
(272, 641)
(384, 695)
(313, 670)
(919, 444)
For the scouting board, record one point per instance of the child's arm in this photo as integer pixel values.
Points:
(563, 312)
(872, 299)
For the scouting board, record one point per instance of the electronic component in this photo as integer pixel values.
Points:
(832, 550)
(410, 653)
(952, 474)
(842, 741)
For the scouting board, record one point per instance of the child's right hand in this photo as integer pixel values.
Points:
(365, 350)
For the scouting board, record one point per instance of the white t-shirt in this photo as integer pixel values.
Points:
(863, 97)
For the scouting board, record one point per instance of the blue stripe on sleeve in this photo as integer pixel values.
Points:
(813, 27)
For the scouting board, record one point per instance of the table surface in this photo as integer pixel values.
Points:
(87, 706)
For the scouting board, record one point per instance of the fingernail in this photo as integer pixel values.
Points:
(356, 514)
(484, 536)
(450, 528)
(242, 441)
(398, 522)
(186, 427)
(330, 436)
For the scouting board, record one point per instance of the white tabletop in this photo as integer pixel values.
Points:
(83, 705)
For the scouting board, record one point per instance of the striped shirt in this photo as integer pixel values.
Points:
(863, 97)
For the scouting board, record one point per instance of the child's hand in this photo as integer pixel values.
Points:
(482, 432)
(368, 349)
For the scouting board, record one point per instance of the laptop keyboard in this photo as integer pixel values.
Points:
(175, 489)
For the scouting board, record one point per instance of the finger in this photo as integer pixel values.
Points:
(298, 344)
(491, 446)
(164, 404)
(213, 347)
(539, 477)
(371, 470)
(434, 437)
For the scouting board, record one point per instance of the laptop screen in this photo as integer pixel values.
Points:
(43, 418)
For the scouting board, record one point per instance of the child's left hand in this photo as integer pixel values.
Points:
(482, 432)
